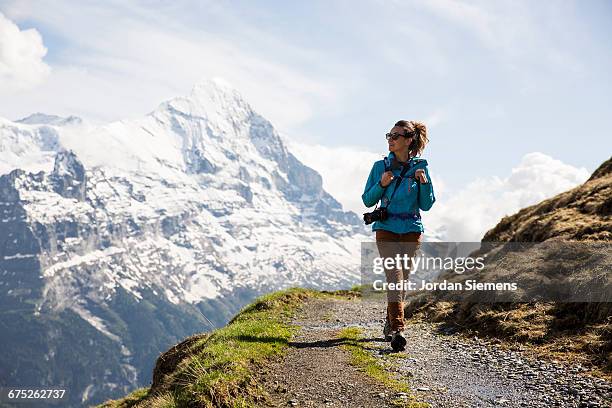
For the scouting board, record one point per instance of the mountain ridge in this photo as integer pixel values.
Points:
(582, 213)
(144, 231)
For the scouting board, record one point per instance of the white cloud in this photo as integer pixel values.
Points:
(466, 214)
(21, 57)
(148, 56)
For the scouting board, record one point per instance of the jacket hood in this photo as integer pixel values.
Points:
(391, 156)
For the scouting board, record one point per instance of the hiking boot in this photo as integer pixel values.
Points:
(387, 330)
(398, 341)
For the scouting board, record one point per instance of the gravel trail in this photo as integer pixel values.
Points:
(442, 369)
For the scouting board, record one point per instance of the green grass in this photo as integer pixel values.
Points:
(357, 288)
(219, 371)
(374, 368)
(128, 401)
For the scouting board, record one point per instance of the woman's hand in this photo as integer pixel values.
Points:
(420, 176)
(386, 178)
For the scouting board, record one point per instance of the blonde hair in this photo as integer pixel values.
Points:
(419, 138)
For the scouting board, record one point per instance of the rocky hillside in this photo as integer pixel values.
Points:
(580, 331)
(582, 213)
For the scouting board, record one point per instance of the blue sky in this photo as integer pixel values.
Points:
(493, 81)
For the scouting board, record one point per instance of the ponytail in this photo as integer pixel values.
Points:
(419, 137)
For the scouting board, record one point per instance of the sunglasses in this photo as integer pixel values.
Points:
(396, 136)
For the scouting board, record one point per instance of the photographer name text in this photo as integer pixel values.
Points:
(444, 285)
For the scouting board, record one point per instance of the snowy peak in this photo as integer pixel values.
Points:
(39, 118)
(68, 176)
(211, 137)
(67, 164)
(210, 129)
(215, 128)
(27, 147)
(214, 100)
(22, 139)
(219, 91)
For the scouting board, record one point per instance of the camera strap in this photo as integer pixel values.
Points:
(407, 167)
(387, 168)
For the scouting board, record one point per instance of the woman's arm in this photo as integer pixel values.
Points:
(426, 193)
(373, 190)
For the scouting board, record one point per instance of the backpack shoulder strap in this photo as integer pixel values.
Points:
(398, 180)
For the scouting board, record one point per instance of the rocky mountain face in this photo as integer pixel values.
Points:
(117, 241)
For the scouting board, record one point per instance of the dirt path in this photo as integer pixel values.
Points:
(316, 371)
(444, 370)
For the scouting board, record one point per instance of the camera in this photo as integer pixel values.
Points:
(379, 214)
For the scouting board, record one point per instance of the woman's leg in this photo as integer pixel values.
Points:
(411, 244)
(389, 245)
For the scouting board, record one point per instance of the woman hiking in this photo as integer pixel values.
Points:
(402, 184)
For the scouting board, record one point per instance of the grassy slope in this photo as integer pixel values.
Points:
(215, 370)
(579, 332)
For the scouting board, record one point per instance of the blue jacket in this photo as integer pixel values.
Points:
(410, 197)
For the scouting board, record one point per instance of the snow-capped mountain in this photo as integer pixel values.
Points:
(119, 240)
